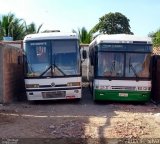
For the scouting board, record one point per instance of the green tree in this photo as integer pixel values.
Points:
(10, 26)
(7, 24)
(155, 38)
(113, 23)
(18, 29)
(31, 28)
(84, 35)
(1, 31)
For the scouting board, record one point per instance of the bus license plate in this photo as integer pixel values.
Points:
(123, 94)
(55, 94)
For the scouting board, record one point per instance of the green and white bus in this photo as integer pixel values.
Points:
(52, 66)
(119, 67)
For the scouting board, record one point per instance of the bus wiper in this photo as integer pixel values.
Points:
(132, 68)
(55, 66)
(44, 71)
(49, 68)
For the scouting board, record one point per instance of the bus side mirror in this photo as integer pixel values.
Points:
(84, 54)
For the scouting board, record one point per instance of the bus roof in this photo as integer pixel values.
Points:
(120, 38)
(50, 35)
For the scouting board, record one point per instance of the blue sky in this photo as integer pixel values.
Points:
(67, 15)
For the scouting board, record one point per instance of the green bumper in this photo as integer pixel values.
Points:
(139, 96)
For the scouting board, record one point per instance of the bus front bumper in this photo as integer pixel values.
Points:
(54, 95)
(113, 95)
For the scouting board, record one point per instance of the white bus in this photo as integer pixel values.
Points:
(119, 67)
(52, 66)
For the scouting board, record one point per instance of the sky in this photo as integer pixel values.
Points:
(66, 15)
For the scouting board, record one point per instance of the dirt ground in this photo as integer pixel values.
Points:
(83, 120)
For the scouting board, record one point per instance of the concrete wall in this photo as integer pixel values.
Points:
(11, 73)
(85, 62)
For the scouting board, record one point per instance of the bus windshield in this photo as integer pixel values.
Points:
(137, 65)
(129, 65)
(52, 58)
(65, 60)
(110, 64)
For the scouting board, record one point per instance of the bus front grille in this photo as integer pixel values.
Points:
(54, 94)
(123, 88)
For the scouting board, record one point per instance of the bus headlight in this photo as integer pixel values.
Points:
(144, 88)
(102, 87)
(32, 85)
(76, 91)
(74, 84)
(140, 88)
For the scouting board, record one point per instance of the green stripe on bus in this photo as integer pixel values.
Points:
(141, 96)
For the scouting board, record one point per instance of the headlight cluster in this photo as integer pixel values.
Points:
(74, 84)
(103, 87)
(32, 85)
(144, 88)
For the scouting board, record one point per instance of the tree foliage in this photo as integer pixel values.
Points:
(155, 38)
(7, 24)
(113, 23)
(84, 35)
(18, 32)
(31, 28)
(10, 26)
(1, 31)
